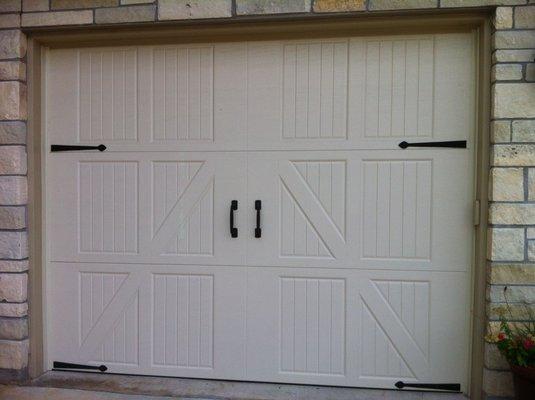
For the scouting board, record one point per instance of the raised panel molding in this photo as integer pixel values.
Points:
(396, 213)
(312, 325)
(183, 323)
(108, 209)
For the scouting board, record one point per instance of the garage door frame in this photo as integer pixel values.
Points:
(257, 29)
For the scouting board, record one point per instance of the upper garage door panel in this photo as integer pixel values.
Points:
(343, 93)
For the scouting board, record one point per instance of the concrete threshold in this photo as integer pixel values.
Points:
(185, 388)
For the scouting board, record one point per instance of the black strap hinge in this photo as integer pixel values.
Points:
(65, 365)
(65, 147)
(456, 144)
(450, 387)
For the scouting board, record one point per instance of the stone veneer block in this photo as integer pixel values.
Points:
(506, 244)
(9, 21)
(72, 4)
(401, 4)
(56, 18)
(513, 155)
(514, 100)
(10, 5)
(513, 311)
(503, 18)
(125, 14)
(13, 245)
(531, 184)
(13, 104)
(524, 130)
(127, 2)
(526, 55)
(13, 310)
(500, 131)
(13, 160)
(13, 328)
(506, 184)
(13, 288)
(498, 383)
(525, 17)
(14, 265)
(252, 7)
(512, 214)
(506, 72)
(531, 254)
(530, 72)
(12, 217)
(12, 132)
(512, 274)
(35, 5)
(479, 3)
(12, 70)
(513, 293)
(192, 9)
(14, 354)
(339, 5)
(13, 190)
(12, 44)
(514, 39)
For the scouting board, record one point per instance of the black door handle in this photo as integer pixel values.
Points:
(458, 144)
(65, 147)
(258, 207)
(233, 207)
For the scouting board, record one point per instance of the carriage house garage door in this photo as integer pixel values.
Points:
(359, 274)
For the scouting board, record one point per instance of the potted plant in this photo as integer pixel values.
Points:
(516, 342)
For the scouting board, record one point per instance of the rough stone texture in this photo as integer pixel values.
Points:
(503, 18)
(13, 190)
(125, 14)
(13, 354)
(526, 55)
(65, 4)
(13, 265)
(512, 214)
(498, 383)
(531, 184)
(493, 358)
(12, 217)
(12, 44)
(513, 293)
(506, 244)
(506, 184)
(191, 9)
(512, 274)
(13, 310)
(13, 104)
(513, 155)
(506, 72)
(54, 18)
(514, 39)
(513, 311)
(251, 7)
(10, 5)
(524, 131)
(13, 245)
(9, 20)
(500, 131)
(13, 288)
(35, 5)
(339, 5)
(127, 2)
(479, 3)
(12, 70)
(514, 100)
(525, 17)
(13, 160)
(530, 72)
(12, 132)
(13, 328)
(401, 4)
(531, 250)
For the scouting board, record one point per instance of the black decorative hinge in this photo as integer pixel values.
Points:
(457, 144)
(65, 147)
(450, 387)
(64, 365)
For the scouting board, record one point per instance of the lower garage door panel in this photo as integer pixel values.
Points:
(326, 326)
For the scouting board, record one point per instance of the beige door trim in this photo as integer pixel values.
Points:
(256, 29)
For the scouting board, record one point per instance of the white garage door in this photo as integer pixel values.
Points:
(359, 272)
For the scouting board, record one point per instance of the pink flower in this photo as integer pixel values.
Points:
(528, 344)
(501, 336)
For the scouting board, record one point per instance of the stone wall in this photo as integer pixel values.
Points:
(511, 247)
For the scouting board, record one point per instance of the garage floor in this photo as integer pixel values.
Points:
(88, 386)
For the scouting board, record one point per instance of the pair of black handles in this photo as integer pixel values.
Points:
(234, 207)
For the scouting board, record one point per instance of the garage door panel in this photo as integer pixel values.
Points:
(146, 208)
(138, 319)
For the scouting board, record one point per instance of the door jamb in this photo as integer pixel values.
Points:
(259, 29)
